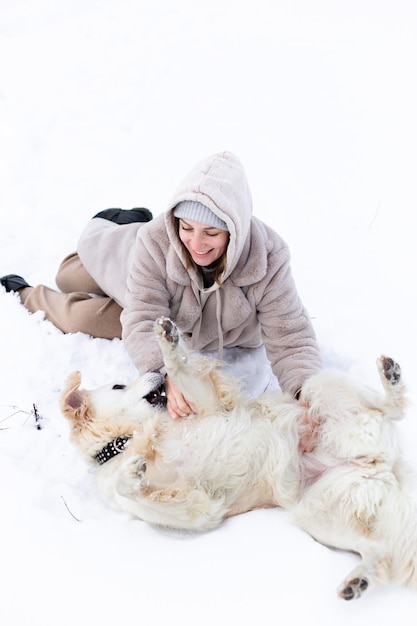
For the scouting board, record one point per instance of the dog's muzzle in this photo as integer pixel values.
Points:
(157, 397)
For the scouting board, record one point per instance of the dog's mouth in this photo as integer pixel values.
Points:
(157, 397)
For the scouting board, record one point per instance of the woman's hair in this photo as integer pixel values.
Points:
(219, 267)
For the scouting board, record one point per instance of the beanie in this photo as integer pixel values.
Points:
(197, 212)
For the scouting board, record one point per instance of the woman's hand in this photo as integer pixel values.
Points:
(177, 404)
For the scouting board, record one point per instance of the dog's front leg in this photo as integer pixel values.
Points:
(174, 352)
(130, 477)
(191, 371)
(172, 505)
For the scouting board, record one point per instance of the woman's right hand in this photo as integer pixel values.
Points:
(177, 403)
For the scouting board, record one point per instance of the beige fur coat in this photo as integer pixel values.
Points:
(143, 267)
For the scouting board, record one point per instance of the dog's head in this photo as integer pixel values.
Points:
(100, 415)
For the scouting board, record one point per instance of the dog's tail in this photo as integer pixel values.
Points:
(397, 524)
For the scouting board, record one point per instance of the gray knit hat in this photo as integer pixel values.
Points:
(197, 212)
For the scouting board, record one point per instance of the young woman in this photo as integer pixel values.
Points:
(219, 272)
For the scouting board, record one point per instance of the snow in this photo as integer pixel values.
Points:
(107, 103)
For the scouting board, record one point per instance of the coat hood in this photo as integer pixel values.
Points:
(219, 182)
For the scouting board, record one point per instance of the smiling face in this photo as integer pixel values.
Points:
(204, 243)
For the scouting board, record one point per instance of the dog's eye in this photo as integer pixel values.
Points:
(119, 387)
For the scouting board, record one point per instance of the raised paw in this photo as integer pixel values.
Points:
(164, 327)
(390, 369)
(353, 589)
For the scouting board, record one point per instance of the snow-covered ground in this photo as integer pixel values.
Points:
(106, 103)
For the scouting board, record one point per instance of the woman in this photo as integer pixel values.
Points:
(220, 273)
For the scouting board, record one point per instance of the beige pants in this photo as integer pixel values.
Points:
(74, 309)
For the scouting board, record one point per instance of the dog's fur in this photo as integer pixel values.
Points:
(350, 492)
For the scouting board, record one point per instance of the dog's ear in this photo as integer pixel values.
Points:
(74, 402)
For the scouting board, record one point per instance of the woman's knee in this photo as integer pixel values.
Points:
(72, 277)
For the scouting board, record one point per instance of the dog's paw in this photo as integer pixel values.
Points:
(353, 589)
(165, 328)
(390, 369)
(131, 475)
(136, 466)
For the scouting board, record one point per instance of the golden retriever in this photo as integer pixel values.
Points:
(236, 454)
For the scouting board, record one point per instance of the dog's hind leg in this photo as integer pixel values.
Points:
(390, 373)
(340, 510)
(372, 570)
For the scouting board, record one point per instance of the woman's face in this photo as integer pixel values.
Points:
(205, 243)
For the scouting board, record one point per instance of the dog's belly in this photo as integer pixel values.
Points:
(229, 457)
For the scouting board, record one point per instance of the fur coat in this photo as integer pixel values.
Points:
(143, 266)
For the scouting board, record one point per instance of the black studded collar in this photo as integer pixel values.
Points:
(112, 449)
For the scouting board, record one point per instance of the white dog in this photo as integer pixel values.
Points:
(350, 492)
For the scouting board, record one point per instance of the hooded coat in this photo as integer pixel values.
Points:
(144, 267)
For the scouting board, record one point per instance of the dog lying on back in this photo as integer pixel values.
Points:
(236, 454)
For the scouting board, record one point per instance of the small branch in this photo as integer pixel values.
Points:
(33, 413)
(70, 512)
(38, 417)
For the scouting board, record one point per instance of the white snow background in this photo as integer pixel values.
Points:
(107, 103)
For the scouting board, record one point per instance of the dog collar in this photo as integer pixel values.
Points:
(112, 449)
